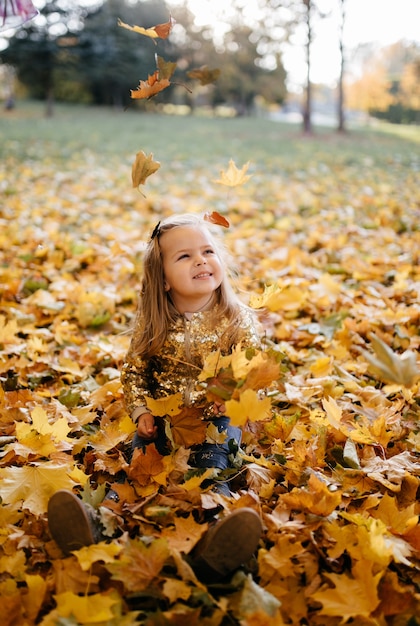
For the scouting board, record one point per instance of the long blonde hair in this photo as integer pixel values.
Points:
(156, 312)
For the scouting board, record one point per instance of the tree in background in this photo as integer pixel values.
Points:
(113, 60)
(388, 86)
(340, 87)
(40, 49)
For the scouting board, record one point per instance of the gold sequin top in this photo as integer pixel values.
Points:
(177, 366)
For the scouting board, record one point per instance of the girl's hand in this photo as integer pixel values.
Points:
(219, 408)
(146, 427)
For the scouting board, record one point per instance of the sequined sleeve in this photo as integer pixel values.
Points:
(133, 382)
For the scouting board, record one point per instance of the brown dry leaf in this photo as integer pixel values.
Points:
(187, 427)
(145, 466)
(143, 167)
(139, 564)
(161, 31)
(204, 74)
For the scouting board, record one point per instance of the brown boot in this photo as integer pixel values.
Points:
(230, 543)
(69, 522)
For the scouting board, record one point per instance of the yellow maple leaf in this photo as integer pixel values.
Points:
(139, 564)
(41, 437)
(213, 363)
(8, 330)
(316, 498)
(111, 433)
(232, 177)
(105, 552)
(351, 596)
(276, 298)
(30, 487)
(93, 609)
(399, 521)
(248, 407)
(170, 405)
(34, 598)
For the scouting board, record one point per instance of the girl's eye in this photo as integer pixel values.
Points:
(209, 251)
(183, 256)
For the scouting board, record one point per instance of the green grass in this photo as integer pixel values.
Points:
(75, 131)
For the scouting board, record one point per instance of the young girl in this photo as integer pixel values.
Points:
(187, 309)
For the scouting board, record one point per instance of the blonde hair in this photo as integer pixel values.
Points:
(156, 312)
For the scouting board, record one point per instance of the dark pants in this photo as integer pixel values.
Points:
(203, 456)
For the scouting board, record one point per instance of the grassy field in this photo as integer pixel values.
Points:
(190, 140)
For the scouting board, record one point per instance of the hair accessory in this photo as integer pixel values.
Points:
(155, 232)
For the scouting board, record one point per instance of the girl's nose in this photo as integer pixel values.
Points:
(200, 260)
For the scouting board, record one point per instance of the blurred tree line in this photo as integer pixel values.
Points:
(80, 54)
(77, 53)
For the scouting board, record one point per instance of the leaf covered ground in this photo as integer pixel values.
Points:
(326, 243)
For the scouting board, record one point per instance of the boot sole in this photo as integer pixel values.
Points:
(232, 541)
(68, 522)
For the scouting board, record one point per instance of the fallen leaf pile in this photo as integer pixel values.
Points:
(330, 452)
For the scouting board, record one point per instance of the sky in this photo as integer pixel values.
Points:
(380, 21)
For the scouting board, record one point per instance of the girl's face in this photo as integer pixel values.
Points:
(191, 267)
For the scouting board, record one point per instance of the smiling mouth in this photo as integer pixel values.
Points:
(203, 275)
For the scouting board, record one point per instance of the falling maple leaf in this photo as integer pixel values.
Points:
(215, 218)
(205, 75)
(143, 167)
(150, 87)
(232, 177)
(166, 68)
(160, 31)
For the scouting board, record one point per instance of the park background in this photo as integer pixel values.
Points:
(325, 240)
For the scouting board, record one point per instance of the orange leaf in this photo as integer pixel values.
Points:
(161, 31)
(150, 87)
(204, 75)
(145, 465)
(216, 218)
(188, 429)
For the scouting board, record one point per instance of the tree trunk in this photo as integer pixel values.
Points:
(307, 121)
(341, 118)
